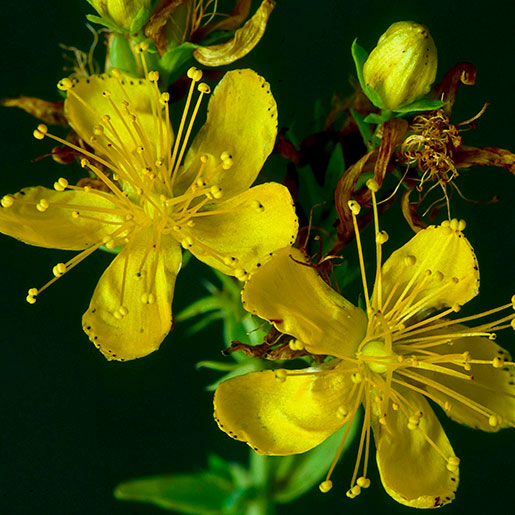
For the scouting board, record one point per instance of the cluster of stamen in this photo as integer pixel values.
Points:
(138, 188)
(397, 350)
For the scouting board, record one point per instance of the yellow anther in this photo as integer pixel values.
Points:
(140, 149)
(494, 420)
(255, 204)
(200, 183)
(153, 76)
(190, 223)
(456, 307)
(84, 163)
(40, 131)
(512, 323)
(42, 205)
(65, 84)
(382, 421)
(280, 375)
(454, 224)
(106, 118)
(7, 201)
(123, 310)
(372, 185)
(142, 47)
(117, 315)
(461, 225)
(59, 269)
(356, 377)
(498, 362)
(204, 88)
(75, 214)
(354, 207)
(98, 130)
(230, 261)
(61, 184)
(240, 274)
(513, 302)
(363, 482)
(225, 155)
(187, 242)
(106, 93)
(216, 191)
(382, 237)
(445, 223)
(164, 98)
(115, 72)
(410, 260)
(31, 296)
(147, 298)
(325, 486)
(227, 163)
(341, 412)
(194, 74)
(454, 461)
(395, 406)
(438, 276)
(355, 491)
(116, 177)
(204, 158)
(109, 245)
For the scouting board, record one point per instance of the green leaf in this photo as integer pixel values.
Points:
(205, 493)
(103, 21)
(364, 129)
(335, 169)
(421, 105)
(140, 20)
(295, 475)
(378, 118)
(360, 55)
(177, 60)
(121, 55)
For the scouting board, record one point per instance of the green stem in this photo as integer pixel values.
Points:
(260, 473)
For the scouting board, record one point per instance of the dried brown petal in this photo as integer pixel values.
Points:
(460, 73)
(393, 133)
(48, 112)
(466, 157)
(409, 210)
(244, 40)
(155, 27)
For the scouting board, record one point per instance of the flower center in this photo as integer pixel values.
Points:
(375, 356)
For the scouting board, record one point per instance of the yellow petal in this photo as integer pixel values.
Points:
(281, 417)
(86, 105)
(120, 321)
(411, 470)
(437, 268)
(244, 40)
(241, 121)
(492, 388)
(298, 302)
(243, 230)
(54, 227)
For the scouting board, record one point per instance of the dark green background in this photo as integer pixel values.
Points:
(72, 424)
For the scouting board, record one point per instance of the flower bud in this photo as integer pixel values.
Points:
(402, 66)
(121, 12)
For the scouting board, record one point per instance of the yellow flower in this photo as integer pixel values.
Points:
(150, 197)
(402, 66)
(390, 358)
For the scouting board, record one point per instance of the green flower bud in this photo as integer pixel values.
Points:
(121, 12)
(402, 66)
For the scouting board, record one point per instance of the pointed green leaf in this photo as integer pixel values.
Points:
(176, 61)
(295, 475)
(360, 55)
(335, 169)
(140, 20)
(421, 105)
(102, 21)
(204, 493)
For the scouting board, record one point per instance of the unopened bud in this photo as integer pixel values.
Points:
(402, 66)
